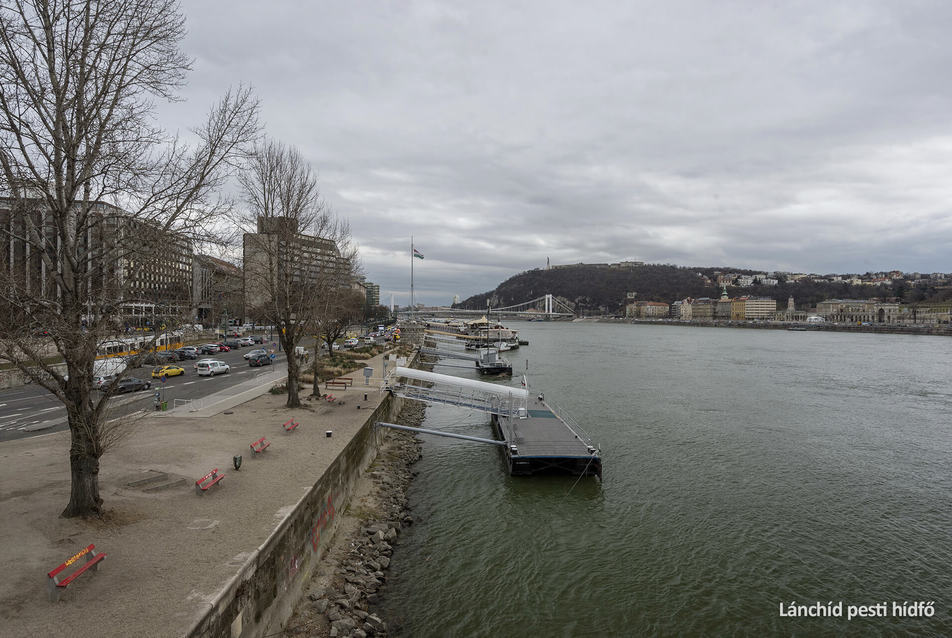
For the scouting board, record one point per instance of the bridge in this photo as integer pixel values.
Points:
(545, 307)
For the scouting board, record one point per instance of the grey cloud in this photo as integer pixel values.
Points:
(811, 136)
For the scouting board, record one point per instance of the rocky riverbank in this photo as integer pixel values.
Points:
(343, 591)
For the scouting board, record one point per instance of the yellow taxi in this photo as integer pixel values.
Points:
(167, 371)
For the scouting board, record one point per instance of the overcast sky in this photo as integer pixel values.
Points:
(800, 136)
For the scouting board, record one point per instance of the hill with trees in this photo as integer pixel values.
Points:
(602, 289)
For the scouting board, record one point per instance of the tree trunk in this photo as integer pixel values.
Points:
(294, 400)
(316, 390)
(84, 499)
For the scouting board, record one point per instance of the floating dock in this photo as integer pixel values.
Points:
(542, 442)
(536, 437)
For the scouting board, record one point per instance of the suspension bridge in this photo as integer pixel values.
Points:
(544, 307)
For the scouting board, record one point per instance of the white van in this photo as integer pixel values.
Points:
(105, 371)
(211, 367)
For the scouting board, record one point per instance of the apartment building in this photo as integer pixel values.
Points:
(279, 253)
(217, 290)
(124, 262)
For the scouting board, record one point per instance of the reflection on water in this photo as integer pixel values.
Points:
(742, 469)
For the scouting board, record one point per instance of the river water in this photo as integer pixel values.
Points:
(743, 469)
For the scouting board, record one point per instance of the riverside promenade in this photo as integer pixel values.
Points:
(171, 552)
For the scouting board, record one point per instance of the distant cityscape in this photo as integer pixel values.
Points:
(636, 290)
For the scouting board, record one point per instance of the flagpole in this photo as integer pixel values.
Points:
(411, 276)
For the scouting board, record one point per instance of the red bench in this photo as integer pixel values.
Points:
(56, 586)
(213, 477)
(290, 425)
(259, 446)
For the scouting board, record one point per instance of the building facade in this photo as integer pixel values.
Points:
(217, 288)
(647, 310)
(279, 260)
(858, 311)
(759, 308)
(130, 266)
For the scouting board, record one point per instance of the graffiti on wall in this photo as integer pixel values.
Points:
(325, 518)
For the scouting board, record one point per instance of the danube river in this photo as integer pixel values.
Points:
(744, 470)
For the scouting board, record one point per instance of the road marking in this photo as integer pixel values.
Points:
(188, 383)
(48, 409)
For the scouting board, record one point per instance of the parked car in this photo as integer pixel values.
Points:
(130, 384)
(233, 343)
(187, 352)
(208, 348)
(204, 360)
(257, 338)
(261, 359)
(254, 352)
(211, 367)
(222, 347)
(246, 341)
(102, 382)
(167, 371)
(353, 342)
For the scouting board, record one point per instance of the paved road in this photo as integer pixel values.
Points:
(31, 410)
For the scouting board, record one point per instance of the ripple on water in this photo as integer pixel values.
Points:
(732, 483)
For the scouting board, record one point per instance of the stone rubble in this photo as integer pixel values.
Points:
(347, 602)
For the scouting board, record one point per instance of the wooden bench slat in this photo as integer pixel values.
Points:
(214, 475)
(260, 445)
(66, 581)
(57, 586)
(72, 559)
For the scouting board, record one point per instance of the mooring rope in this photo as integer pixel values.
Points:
(584, 469)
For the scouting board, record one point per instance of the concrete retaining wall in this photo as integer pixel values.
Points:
(262, 595)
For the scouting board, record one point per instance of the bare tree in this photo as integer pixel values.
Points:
(338, 310)
(299, 255)
(100, 207)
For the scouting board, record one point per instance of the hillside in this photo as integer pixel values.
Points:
(598, 289)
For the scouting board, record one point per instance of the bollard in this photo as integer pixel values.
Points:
(365, 396)
(328, 433)
(236, 461)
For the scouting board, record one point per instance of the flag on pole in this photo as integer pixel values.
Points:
(417, 254)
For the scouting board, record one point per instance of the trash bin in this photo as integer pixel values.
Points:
(165, 406)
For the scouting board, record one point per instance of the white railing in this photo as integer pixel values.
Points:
(462, 397)
(572, 424)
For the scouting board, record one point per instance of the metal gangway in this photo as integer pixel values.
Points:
(449, 354)
(467, 393)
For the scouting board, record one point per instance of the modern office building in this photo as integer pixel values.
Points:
(129, 264)
(280, 261)
(217, 291)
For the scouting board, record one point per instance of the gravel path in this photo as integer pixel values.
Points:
(169, 550)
